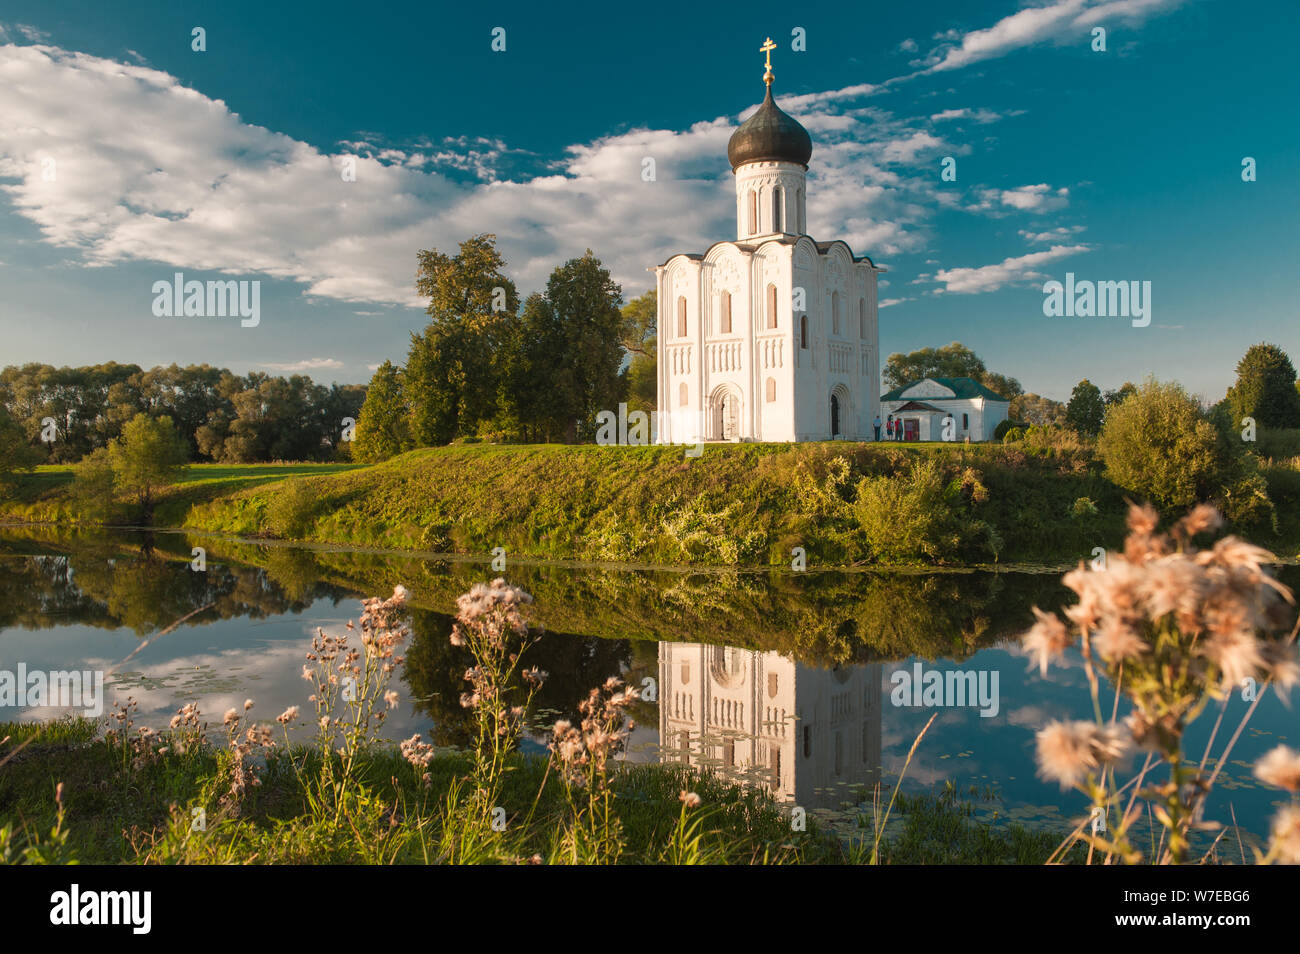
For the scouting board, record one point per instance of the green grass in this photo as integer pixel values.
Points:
(116, 814)
(391, 817)
(736, 505)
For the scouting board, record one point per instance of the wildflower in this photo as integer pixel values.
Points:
(1202, 518)
(230, 717)
(1280, 661)
(1047, 639)
(307, 674)
(1069, 751)
(324, 722)
(1117, 643)
(401, 594)
(391, 698)
(287, 716)
(1286, 835)
(248, 704)
(1142, 520)
(690, 799)
(1235, 653)
(1280, 768)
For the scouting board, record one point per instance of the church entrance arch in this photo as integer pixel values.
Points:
(724, 414)
(840, 412)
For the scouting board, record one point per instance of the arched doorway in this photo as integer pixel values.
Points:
(724, 408)
(841, 412)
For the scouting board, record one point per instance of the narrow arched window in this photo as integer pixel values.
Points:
(726, 312)
(835, 312)
(777, 195)
(862, 317)
(803, 332)
(681, 316)
(683, 394)
(753, 212)
(771, 389)
(771, 306)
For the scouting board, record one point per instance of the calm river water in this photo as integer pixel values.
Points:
(784, 681)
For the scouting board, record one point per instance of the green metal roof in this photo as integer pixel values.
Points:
(961, 387)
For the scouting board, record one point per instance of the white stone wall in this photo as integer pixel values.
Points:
(707, 371)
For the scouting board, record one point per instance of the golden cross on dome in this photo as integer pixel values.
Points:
(767, 47)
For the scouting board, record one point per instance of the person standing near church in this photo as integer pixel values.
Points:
(876, 425)
(889, 428)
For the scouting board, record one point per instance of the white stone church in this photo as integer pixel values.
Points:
(773, 336)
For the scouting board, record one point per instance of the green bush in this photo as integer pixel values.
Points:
(1278, 443)
(1013, 435)
(292, 510)
(1000, 432)
(908, 518)
(1083, 507)
(1160, 445)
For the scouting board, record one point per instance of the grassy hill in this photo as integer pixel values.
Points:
(735, 505)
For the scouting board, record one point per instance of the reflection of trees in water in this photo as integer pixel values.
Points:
(142, 591)
(435, 673)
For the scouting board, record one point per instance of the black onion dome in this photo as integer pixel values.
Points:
(769, 135)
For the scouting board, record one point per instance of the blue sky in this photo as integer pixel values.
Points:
(1115, 165)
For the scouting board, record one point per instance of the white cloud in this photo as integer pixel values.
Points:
(982, 116)
(306, 364)
(886, 302)
(987, 278)
(1060, 21)
(1061, 234)
(150, 170)
(1028, 198)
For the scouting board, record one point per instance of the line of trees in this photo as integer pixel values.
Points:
(490, 367)
(219, 415)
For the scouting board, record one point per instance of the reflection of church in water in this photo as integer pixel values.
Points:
(810, 736)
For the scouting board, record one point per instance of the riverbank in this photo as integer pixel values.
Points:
(822, 504)
(111, 811)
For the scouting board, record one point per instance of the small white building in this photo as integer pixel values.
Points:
(773, 336)
(923, 405)
(809, 736)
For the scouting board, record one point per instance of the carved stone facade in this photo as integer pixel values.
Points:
(773, 336)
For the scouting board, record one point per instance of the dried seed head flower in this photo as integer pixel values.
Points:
(1280, 767)
(1286, 835)
(248, 704)
(1069, 751)
(287, 716)
(1047, 639)
(1116, 643)
(1281, 663)
(1236, 654)
(230, 717)
(1203, 518)
(690, 799)
(390, 697)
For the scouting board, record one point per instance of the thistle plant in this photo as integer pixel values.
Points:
(1280, 768)
(490, 624)
(582, 754)
(1173, 629)
(351, 694)
(246, 748)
